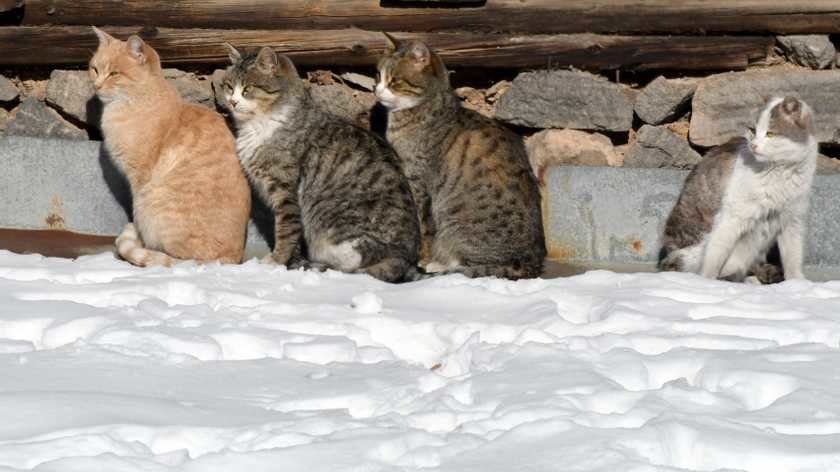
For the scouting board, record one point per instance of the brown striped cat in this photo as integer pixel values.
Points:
(478, 200)
(190, 197)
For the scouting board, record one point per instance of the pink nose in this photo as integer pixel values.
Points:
(754, 147)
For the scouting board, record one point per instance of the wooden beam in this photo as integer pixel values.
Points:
(7, 5)
(74, 45)
(505, 16)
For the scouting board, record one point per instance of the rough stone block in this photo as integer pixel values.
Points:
(725, 105)
(663, 100)
(72, 92)
(657, 146)
(191, 88)
(569, 147)
(8, 91)
(810, 50)
(341, 100)
(566, 99)
(34, 118)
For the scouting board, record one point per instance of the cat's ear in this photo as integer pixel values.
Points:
(136, 47)
(267, 61)
(791, 105)
(286, 66)
(104, 38)
(391, 43)
(419, 54)
(233, 53)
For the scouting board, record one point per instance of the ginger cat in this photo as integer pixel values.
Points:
(190, 197)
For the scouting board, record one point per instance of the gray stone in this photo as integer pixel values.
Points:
(810, 50)
(218, 90)
(725, 105)
(191, 88)
(827, 165)
(657, 146)
(341, 100)
(363, 81)
(566, 99)
(663, 100)
(49, 180)
(72, 92)
(8, 91)
(34, 118)
(617, 215)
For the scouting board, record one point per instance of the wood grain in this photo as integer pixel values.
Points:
(506, 16)
(74, 45)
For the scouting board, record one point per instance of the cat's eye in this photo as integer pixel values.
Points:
(94, 69)
(227, 86)
(113, 73)
(246, 91)
(770, 134)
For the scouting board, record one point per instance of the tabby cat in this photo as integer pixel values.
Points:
(745, 196)
(190, 197)
(478, 200)
(339, 198)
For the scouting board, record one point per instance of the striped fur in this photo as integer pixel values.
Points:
(478, 199)
(338, 196)
(190, 198)
(130, 248)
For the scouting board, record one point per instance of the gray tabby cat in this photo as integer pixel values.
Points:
(337, 192)
(479, 202)
(745, 196)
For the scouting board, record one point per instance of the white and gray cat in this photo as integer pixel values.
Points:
(745, 196)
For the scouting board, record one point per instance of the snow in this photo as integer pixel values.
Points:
(108, 367)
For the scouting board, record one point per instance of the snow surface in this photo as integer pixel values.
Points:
(107, 367)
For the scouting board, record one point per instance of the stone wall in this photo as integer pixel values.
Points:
(567, 117)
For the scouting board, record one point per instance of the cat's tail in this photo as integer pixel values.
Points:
(130, 248)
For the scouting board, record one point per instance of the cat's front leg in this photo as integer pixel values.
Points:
(718, 248)
(791, 248)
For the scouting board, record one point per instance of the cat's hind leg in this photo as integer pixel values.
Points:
(130, 247)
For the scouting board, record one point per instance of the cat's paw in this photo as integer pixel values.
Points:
(269, 259)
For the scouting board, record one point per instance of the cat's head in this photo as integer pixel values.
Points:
(408, 73)
(256, 83)
(120, 68)
(783, 130)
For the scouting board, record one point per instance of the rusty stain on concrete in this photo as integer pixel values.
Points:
(559, 251)
(636, 246)
(55, 219)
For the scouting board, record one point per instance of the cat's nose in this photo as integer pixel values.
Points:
(232, 103)
(754, 147)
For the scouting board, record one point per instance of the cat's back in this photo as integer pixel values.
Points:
(702, 195)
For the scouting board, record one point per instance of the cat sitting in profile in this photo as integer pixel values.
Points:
(477, 198)
(745, 196)
(338, 196)
(190, 197)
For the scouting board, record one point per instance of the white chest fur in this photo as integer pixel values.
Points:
(252, 134)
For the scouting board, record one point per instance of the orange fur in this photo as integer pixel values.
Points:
(190, 197)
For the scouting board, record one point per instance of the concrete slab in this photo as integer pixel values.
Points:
(72, 185)
(594, 216)
(617, 215)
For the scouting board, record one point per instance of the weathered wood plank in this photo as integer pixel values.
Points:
(6, 5)
(67, 45)
(531, 16)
